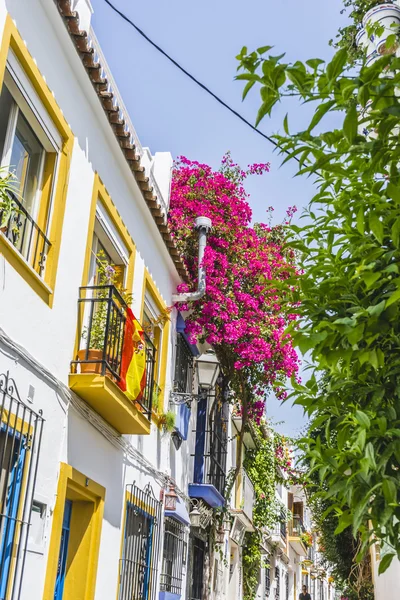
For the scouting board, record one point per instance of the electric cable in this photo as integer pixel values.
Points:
(196, 81)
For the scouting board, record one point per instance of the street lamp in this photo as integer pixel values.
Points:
(207, 367)
(194, 516)
(170, 498)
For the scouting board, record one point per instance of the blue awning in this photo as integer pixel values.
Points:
(180, 327)
(180, 514)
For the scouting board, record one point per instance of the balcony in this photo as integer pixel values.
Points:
(279, 532)
(96, 372)
(244, 500)
(297, 536)
(22, 236)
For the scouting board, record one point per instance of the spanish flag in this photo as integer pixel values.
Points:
(133, 363)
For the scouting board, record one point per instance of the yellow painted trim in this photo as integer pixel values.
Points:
(149, 285)
(100, 193)
(106, 398)
(12, 39)
(72, 482)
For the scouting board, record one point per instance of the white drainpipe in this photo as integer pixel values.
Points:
(203, 225)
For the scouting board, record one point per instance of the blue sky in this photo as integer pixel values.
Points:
(171, 113)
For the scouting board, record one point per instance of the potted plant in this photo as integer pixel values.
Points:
(381, 25)
(107, 276)
(8, 207)
(167, 421)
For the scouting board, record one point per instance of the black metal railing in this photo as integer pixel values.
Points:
(287, 585)
(20, 439)
(278, 583)
(24, 234)
(267, 581)
(138, 565)
(197, 560)
(280, 528)
(215, 459)
(101, 329)
(296, 526)
(174, 557)
(183, 366)
(311, 553)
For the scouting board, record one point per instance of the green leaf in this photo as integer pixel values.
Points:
(264, 49)
(394, 297)
(319, 113)
(286, 124)
(389, 491)
(314, 63)
(370, 454)
(247, 88)
(385, 562)
(335, 67)
(377, 309)
(393, 191)
(350, 124)
(362, 419)
(376, 227)
(396, 232)
(370, 278)
(360, 221)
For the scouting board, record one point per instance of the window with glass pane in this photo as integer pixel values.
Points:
(174, 556)
(29, 156)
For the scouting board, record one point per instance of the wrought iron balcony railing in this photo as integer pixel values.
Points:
(296, 526)
(280, 528)
(101, 330)
(24, 234)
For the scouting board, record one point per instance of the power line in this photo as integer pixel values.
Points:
(196, 81)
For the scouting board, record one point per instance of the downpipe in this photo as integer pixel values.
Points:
(203, 226)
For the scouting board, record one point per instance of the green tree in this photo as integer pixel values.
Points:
(349, 248)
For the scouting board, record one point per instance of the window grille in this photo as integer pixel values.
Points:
(198, 551)
(267, 581)
(287, 585)
(20, 439)
(218, 440)
(138, 565)
(174, 556)
(183, 366)
(278, 583)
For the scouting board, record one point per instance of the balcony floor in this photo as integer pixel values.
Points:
(105, 397)
(206, 492)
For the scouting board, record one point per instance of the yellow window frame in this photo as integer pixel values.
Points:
(85, 533)
(43, 287)
(162, 353)
(100, 194)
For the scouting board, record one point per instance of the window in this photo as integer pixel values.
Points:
(20, 434)
(287, 585)
(138, 566)
(183, 366)
(278, 583)
(29, 148)
(267, 581)
(197, 553)
(36, 147)
(174, 556)
(155, 322)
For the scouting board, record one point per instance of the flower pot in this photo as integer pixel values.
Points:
(388, 17)
(91, 355)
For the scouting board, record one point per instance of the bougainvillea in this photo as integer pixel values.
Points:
(242, 314)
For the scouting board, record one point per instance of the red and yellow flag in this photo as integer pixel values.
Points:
(133, 363)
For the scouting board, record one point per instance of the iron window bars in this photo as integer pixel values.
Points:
(287, 585)
(102, 328)
(197, 555)
(138, 565)
(24, 234)
(183, 366)
(212, 427)
(174, 556)
(267, 581)
(282, 524)
(278, 583)
(20, 439)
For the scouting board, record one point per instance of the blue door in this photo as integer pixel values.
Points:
(10, 515)
(62, 557)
